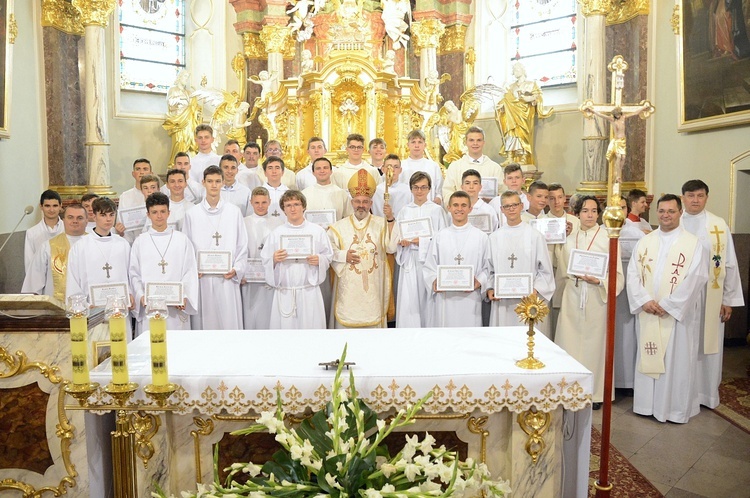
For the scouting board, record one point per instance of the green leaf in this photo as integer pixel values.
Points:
(313, 429)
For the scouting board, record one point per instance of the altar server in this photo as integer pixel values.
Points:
(638, 204)
(217, 226)
(412, 307)
(193, 191)
(473, 159)
(557, 200)
(297, 300)
(582, 325)
(471, 183)
(459, 244)
(400, 194)
(50, 226)
(163, 254)
(132, 198)
(668, 269)
(355, 147)
(274, 169)
(272, 148)
(204, 140)
(417, 142)
(722, 291)
(233, 191)
(251, 175)
(316, 148)
(515, 248)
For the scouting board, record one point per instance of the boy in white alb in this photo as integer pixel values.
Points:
(316, 148)
(193, 191)
(233, 191)
(399, 192)
(418, 162)
(471, 183)
(204, 139)
(273, 167)
(355, 147)
(131, 199)
(249, 176)
(473, 159)
(50, 226)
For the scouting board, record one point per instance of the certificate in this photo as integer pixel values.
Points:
(588, 263)
(553, 229)
(489, 187)
(98, 293)
(481, 221)
(215, 262)
(170, 291)
(455, 278)
(513, 284)
(133, 218)
(255, 271)
(297, 246)
(418, 227)
(321, 217)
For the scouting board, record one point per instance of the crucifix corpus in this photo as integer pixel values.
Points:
(616, 113)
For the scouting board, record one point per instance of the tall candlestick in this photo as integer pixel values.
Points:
(158, 330)
(79, 349)
(119, 349)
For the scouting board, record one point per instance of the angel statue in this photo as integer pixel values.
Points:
(184, 113)
(394, 14)
(515, 114)
(266, 82)
(432, 84)
(302, 13)
(452, 124)
(229, 117)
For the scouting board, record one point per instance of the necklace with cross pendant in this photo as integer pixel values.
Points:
(106, 268)
(512, 260)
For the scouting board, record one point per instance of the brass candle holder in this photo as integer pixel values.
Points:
(81, 392)
(531, 310)
(160, 394)
(121, 393)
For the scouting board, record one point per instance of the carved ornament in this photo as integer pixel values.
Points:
(252, 47)
(205, 426)
(595, 7)
(277, 38)
(675, 20)
(145, 426)
(534, 423)
(95, 12)
(427, 33)
(12, 29)
(623, 11)
(452, 40)
(61, 15)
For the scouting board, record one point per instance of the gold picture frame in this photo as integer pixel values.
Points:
(8, 33)
(713, 65)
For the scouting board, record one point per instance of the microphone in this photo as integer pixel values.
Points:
(27, 211)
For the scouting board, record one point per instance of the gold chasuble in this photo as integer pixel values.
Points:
(59, 248)
(717, 232)
(655, 331)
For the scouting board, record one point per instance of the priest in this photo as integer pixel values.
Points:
(217, 231)
(296, 278)
(668, 269)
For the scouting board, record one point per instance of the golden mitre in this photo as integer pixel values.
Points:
(361, 183)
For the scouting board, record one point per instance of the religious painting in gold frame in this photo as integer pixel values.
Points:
(8, 32)
(714, 63)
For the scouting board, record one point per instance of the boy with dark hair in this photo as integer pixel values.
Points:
(204, 140)
(51, 225)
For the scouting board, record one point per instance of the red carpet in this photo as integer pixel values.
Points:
(735, 402)
(625, 478)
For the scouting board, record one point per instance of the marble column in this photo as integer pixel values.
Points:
(276, 38)
(94, 15)
(594, 81)
(426, 37)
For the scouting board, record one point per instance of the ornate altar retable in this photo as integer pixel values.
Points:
(526, 424)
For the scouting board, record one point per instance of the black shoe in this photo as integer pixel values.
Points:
(597, 406)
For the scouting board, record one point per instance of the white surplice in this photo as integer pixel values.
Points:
(237, 194)
(486, 167)
(35, 237)
(297, 301)
(193, 192)
(130, 199)
(329, 196)
(673, 395)
(38, 279)
(249, 177)
(305, 178)
(220, 305)
(400, 197)
(519, 249)
(464, 245)
(344, 172)
(97, 260)
(410, 166)
(179, 254)
(710, 365)
(413, 302)
(274, 194)
(201, 161)
(257, 297)
(481, 207)
(582, 324)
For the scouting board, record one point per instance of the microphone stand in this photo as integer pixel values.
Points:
(25, 213)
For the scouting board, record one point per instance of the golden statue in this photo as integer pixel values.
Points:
(184, 113)
(452, 124)
(515, 114)
(230, 114)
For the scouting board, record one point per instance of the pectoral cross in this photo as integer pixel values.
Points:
(106, 268)
(512, 260)
(717, 232)
(216, 236)
(275, 214)
(458, 259)
(163, 265)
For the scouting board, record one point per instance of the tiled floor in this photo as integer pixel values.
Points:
(707, 457)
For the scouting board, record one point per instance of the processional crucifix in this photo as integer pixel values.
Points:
(616, 113)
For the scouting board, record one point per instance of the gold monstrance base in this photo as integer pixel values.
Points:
(531, 310)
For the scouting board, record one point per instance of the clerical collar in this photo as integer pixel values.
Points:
(154, 231)
(210, 209)
(465, 226)
(671, 235)
(699, 215)
(102, 236)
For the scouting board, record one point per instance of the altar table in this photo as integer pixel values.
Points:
(225, 377)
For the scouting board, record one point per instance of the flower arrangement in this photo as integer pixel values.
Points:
(338, 453)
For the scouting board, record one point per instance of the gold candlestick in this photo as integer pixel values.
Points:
(531, 310)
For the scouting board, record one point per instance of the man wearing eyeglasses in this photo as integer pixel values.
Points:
(355, 147)
(273, 149)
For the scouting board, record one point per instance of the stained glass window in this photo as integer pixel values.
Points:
(152, 43)
(543, 39)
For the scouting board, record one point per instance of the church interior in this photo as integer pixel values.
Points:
(88, 86)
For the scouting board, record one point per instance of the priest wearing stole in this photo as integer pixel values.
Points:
(516, 247)
(722, 291)
(163, 254)
(215, 226)
(667, 271)
(460, 244)
(297, 300)
(582, 324)
(363, 283)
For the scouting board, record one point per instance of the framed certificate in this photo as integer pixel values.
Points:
(455, 278)
(482, 221)
(321, 217)
(98, 293)
(255, 272)
(513, 284)
(133, 218)
(553, 229)
(418, 227)
(214, 262)
(170, 291)
(489, 187)
(297, 246)
(588, 263)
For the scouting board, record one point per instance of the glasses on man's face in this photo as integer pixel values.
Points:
(420, 187)
(356, 147)
(512, 206)
(273, 152)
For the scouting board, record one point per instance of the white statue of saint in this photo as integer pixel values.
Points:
(394, 17)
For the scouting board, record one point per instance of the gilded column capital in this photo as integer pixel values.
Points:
(276, 38)
(427, 33)
(61, 15)
(453, 39)
(595, 7)
(252, 46)
(95, 12)
(621, 12)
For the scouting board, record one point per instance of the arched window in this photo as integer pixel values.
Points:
(152, 43)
